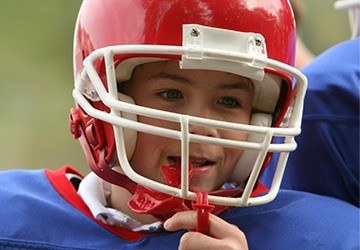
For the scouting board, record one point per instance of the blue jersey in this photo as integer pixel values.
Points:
(326, 161)
(41, 209)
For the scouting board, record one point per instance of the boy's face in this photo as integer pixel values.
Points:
(203, 93)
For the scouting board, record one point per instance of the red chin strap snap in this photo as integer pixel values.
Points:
(203, 209)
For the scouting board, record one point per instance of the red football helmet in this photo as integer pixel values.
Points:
(255, 39)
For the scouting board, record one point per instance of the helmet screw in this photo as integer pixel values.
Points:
(258, 42)
(195, 32)
(93, 94)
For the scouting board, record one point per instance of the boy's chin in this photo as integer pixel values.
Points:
(203, 187)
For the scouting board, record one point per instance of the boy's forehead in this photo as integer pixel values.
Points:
(170, 70)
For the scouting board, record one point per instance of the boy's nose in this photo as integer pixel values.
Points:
(201, 130)
(204, 112)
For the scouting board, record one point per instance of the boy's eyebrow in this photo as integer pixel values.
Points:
(244, 85)
(173, 77)
(238, 85)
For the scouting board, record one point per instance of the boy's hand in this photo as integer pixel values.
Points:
(222, 234)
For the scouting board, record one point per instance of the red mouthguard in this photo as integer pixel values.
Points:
(160, 205)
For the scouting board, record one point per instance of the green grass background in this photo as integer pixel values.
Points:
(36, 76)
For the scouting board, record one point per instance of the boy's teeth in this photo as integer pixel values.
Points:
(193, 162)
(198, 162)
(201, 163)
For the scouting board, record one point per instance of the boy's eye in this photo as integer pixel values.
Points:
(171, 95)
(229, 102)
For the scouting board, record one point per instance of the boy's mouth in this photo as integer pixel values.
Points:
(195, 161)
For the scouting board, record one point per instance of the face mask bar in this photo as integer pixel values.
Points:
(353, 8)
(346, 4)
(110, 99)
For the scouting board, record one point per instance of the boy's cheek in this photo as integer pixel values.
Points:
(159, 123)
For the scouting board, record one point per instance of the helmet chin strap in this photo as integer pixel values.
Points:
(163, 206)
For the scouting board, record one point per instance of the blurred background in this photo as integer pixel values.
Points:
(37, 79)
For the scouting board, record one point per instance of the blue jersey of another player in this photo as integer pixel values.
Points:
(327, 158)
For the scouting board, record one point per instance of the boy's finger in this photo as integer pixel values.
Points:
(188, 220)
(194, 240)
(181, 220)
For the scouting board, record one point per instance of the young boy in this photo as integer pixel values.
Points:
(177, 105)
